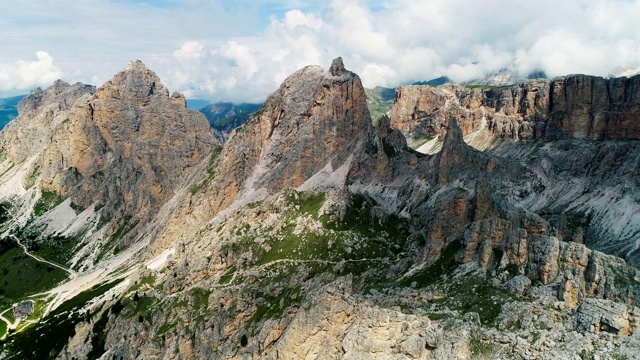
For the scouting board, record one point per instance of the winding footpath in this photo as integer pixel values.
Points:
(72, 275)
(9, 324)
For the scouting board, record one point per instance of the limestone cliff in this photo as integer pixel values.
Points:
(557, 128)
(40, 114)
(315, 119)
(128, 147)
(571, 107)
(121, 150)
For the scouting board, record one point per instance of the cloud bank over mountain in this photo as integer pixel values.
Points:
(25, 74)
(242, 52)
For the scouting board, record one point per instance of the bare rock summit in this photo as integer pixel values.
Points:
(314, 121)
(123, 148)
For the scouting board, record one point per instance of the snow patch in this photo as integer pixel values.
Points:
(160, 261)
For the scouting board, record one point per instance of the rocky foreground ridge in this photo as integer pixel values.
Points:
(314, 234)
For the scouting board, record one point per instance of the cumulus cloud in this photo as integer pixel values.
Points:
(189, 50)
(242, 53)
(409, 40)
(247, 69)
(25, 75)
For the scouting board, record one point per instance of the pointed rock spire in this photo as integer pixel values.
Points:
(454, 134)
(337, 67)
(455, 153)
(312, 122)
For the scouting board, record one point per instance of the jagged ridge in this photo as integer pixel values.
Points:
(245, 266)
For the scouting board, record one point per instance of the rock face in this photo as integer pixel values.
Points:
(123, 149)
(572, 115)
(314, 120)
(572, 107)
(40, 114)
(312, 234)
(577, 271)
(597, 316)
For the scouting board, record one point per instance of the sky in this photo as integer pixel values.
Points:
(240, 51)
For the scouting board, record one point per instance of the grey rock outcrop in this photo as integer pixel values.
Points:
(518, 285)
(40, 114)
(577, 271)
(595, 316)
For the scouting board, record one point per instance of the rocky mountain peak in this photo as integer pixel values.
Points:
(337, 67)
(123, 149)
(61, 93)
(136, 82)
(39, 115)
(136, 65)
(139, 138)
(454, 136)
(312, 122)
(455, 153)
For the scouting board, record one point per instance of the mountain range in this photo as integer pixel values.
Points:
(467, 223)
(9, 109)
(225, 117)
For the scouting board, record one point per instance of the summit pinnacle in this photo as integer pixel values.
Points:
(337, 67)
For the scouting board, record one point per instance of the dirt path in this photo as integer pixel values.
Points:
(72, 274)
(119, 266)
(10, 325)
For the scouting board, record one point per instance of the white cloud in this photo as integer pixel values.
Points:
(411, 40)
(189, 50)
(243, 52)
(25, 75)
(295, 18)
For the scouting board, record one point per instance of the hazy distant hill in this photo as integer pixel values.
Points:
(379, 100)
(224, 117)
(498, 78)
(9, 109)
(434, 82)
(196, 104)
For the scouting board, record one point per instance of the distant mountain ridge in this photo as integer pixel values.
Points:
(501, 77)
(380, 100)
(9, 109)
(224, 117)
